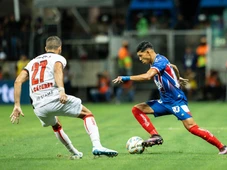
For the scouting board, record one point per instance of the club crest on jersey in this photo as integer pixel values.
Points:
(176, 109)
(157, 59)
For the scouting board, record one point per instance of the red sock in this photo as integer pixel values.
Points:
(206, 135)
(144, 120)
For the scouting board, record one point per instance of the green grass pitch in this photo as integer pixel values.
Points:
(29, 146)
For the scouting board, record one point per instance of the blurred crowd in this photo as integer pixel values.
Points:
(14, 45)
(18, 38)
(14, 37)
(202, 85)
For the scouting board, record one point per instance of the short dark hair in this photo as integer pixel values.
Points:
(53, 42)
(143, 46)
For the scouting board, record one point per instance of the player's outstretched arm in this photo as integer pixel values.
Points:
(141, 77)
(121, 79)
(15, 115)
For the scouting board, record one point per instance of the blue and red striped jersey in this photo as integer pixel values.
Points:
(166, 81)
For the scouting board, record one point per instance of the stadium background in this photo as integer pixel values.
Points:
(92, 32)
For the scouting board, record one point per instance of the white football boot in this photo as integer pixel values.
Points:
(104, 151)
(77, 156)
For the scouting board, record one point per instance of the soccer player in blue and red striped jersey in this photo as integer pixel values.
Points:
(172, 99)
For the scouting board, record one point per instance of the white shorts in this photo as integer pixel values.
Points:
(47, 114)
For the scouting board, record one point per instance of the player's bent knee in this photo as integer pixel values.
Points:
(86, 116)
(135, 110)
(57, 127)
(45, 125)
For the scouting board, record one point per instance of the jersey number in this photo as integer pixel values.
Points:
(35, 68)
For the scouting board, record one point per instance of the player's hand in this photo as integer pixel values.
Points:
(183, 81)
(117, 80)
(15, 116)
(63, 97)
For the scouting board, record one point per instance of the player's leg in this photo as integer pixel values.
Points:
(64, 139)
(50, 120)
(192, 127)
(140, 112)
(74, 108)
(47, 117)
(182, 112)
(92, 130)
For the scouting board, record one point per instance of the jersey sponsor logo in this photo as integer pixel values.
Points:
(176, 109)
(50, 93)
(42, 86)
(158, 84)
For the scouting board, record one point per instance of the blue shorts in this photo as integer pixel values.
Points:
(178, 109)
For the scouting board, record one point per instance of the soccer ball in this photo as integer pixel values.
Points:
(134, 145)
